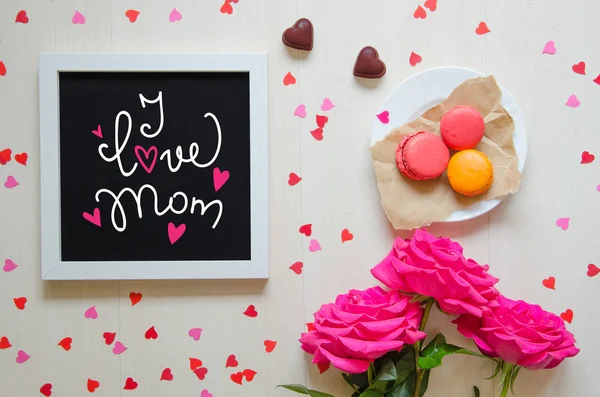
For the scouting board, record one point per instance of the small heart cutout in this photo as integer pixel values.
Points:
(289, 79)
(201, 373)
(327, 105)
(166, 375)
(573, 102)
(9, 266)
(92, 385)
(65, 343)
(22, 17)
(175, 232)
(78, 18)
(300, 111)
(130, 384)
(5, 156)
(205, 393)
(314, 246)
(135, 298)
(21, 158)
(20, 302)
(579, 68)
(414, 59)
(384, 117)
(593, 270)
(346, 235)
(4, 343)
(11, 182)
(482, 29)
(317, 134)
(420, 13)
(321, 120)
(231, 362)
(270, 345)
(46, 390)
(2, 69)
(91, 313)
(549, 282)
(431, 5)
(249, 374)
(132, 15)
(251, 311)
(293, 179)
(93, 219)
(297, 267)
(597, 79)
(151, 333)
(109, 337)
(174, 16)
(586, 157)
(219, 178)
(567, 316)
(98, 131)
(226, 8)
(237, 377)
(119, 348)
(549, 48)
(563, 223)
(22, 357)
(195, 363)
(306, 229)
(195, 333)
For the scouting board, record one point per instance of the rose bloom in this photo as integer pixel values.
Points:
(362, 326)
(436, 267)
(521, 334)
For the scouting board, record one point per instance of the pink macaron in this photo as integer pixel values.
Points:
(421, 156)
(462, 127)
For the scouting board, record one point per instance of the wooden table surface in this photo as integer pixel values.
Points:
(519, 239)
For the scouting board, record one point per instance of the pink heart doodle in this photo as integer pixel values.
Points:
(147, 154)
(119, 348)
(314, 246)
(9, 266)
(95, 219)
(195, 333)
(91, 313)
(98, 131)
(219, 178)
(175, 232)
(22, 357)
(384, 117)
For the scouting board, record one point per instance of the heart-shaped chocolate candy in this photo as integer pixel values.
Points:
(368, 65)
(299, 36)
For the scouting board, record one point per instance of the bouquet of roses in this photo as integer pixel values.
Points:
(376, 337)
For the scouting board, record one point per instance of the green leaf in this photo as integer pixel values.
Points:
(348, 380)
(419, 298)
(476, 390)
(437, 349)
(303, 390)
(372, 393)
(387, 372)
(407, 388)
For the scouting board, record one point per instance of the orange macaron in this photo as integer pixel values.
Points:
(470, 172)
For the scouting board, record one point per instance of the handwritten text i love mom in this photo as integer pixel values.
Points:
(146, 158)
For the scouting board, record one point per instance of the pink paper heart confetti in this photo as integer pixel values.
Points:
(91, 313)
(573, 102)
(327, 105)
(549, 48)
(9, 266)
(300, 111)
(314, 245)
(119, 348)
(563, 223)
(175, 232)
(11, 182)
(174, 16)
(78, 18)
(195, 333)
(384, 117)
(205, 393)
(219, 178)
(22, 357)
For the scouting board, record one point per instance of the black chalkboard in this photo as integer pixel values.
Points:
(90, 181)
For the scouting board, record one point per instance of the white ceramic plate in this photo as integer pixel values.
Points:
(425, 90)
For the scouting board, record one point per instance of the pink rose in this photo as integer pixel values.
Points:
(436, 267)
(362, 326)
(521, 334)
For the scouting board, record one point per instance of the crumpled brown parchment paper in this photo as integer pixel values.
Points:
(411, 204)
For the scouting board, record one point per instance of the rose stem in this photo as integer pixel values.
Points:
(370, 373)
(417, 346)
(506, 378)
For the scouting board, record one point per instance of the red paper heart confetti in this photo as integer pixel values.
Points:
(289, 79)
(132, 15)
(135, 297)
(195, 363)
(431, 5)
(586, 157)
(270, 345)
(597, 79)
(166, 375)
(297, 267)
(130, 384)
(579, 68)
(293, 179)
(317, 134)
(22, 17)
(567, 316)
(201, 373)
(46, 389)
(65, 343)
(482, 29)
(323, 367)
(306, 229)
(231, 361)
(151, 333)
(2, 69)
(249, 374)
(549, 282)
(593, 270)
(4, 343)
(5, 156)
(251, 311)
(346, 235)
(92, 385)
(226, 8)
(21, 158)
(321, 120)
(414, 59)
(109, 337)
(20, 302)
(237, 377)
(420, 13)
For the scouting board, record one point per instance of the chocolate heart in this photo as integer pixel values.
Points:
(368, 64)
(299, 36)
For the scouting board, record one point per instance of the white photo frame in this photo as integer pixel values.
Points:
(52, 266)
